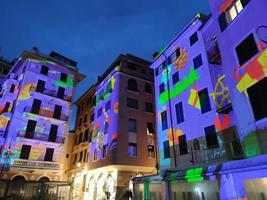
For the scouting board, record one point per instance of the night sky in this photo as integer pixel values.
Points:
(93, 32)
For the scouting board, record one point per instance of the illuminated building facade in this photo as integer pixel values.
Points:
(35, 112)
(210, 89)
(122, 141)
(80, 145)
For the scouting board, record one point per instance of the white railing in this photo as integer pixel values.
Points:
(32, 164)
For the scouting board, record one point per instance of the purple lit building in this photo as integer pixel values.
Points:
(210, 95)
(35, 112)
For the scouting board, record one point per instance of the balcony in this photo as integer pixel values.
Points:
(214, 55)
(46, 113)
(52, 93)
(32, 164)
(41, 137)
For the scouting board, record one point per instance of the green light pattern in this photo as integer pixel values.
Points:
(194, 175)
(68, 83)
(179, 87)
(251, 145)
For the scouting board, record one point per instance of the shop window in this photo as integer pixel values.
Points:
(258, 98)
(246, 49)
(167, 153)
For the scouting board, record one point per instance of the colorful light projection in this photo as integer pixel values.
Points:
(25, 92)
(251, 145)
(104, 132)
(180, 86)
(221, 94)
(181, 61)
(194, 175)
(222, 122)
(176, 134)
(251, 73)
(194, 99)
(66, 84)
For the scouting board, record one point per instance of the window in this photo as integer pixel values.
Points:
(132, 125)
(174, 55)
(197, 61)
(74, 159)
(148, 88)
(211, 137)
(92, 117)
(104, 151)
(60, 92)
(164, 122)
(179, 113)
(53, 133)
(44, 70)
(84, 155)
(49, 154)
(99, 112)
(63, 77)
(107, 106)
(246, 49)
(150, 128)
(151, 151)
(12, 88)
(7, 105)
(204, 100)
(90, 136)
(25, 152)
(109, 87)
(36, 105)
(80, 138)
(86, 135)
(161, 88)
(234, 10)
(80, 121)
(258, 98)
(149, 107)
(57, 112)
(193, 39)
(95, 155)
(132, 149)
(81, 156)
(106, 125)
(30, 129)
(85, 118)
(182, 144)
(5, 71)
(131, 66)
(167, 153)
(40, 86)
(175, 78)
(101, 95)
(132, 85)
(132, 103)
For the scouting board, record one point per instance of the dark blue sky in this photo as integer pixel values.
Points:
(93, 32)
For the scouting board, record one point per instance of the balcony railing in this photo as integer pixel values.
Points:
(214, 55)
(42, 137)
(32, 164)
(51, 93)
(46, 113)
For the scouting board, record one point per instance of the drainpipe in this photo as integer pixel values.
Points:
(169, 102)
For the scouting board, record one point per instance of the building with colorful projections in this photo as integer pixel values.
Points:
(210, 89)
(122, 141)
(35, 105)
